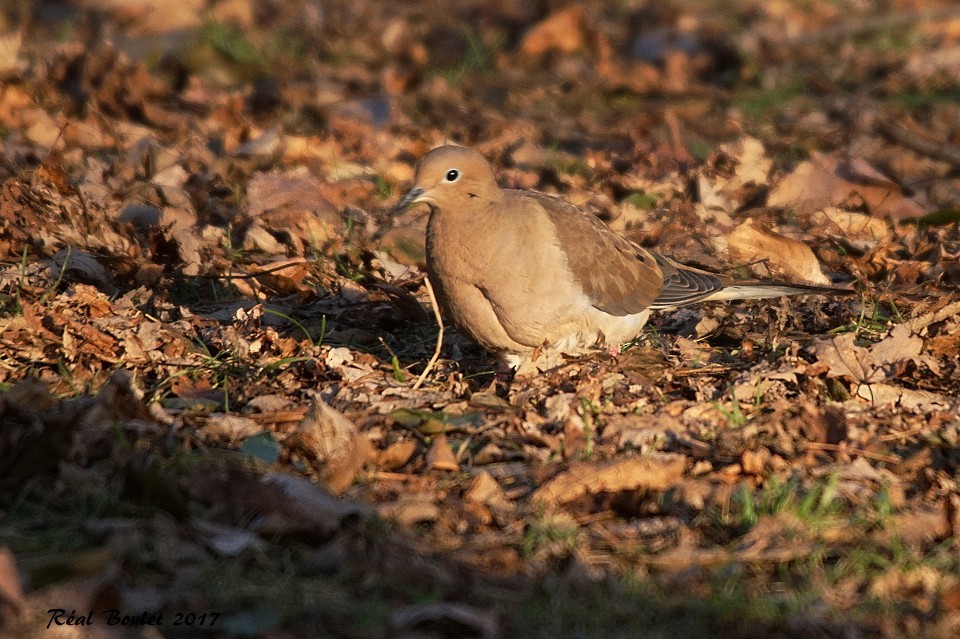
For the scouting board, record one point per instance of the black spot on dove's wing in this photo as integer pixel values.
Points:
(618, 277)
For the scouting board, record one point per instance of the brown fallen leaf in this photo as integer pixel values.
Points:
(908, 398)
(326, 436)
(287, 275)
(841, 357)
(828, 180)
(564, 31)
(484, 489)
(858, 230)
(397, 454)
(941, 331)
(308, 501)
(754, 461)
(324, 432)
(785, 257)
(76, 264)
(410, 509)
(631, 473)
(441, 457)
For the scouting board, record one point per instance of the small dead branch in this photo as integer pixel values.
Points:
(890, 459)
(436, 351)
(936, 149)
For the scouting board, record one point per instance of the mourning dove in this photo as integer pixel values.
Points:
(517, 271)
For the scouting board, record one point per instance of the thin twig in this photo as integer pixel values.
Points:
(890, 459)
(915, 141)
(436, 351)
(709, 369)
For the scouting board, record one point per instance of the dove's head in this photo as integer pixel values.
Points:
(450, 178)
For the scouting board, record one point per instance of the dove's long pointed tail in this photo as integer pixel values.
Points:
(756, 290)
(684, 285)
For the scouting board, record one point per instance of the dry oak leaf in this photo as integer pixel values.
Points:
(870, 367)
(905, 342)
(566, 31)
(860, 231)
(327, 436)
(941, 329)
(292, 205)
(785, 257)
(313, 503)
(826, 180)
(908, 398)
(657, 472)
(843, 358)
(751, 170)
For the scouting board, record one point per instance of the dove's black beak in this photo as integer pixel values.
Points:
(409, 198)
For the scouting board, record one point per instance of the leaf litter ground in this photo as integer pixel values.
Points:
(212, 324)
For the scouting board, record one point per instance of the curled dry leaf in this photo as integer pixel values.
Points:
(410, 509)
(726, 191)
(328, 437)
(565, 31)
(859, 230)
(632, 473)
(843, 358)
(397, 454)
(826, 180)
(288, 275)
(441, 457)
(785, 257)
(314, 503)
(75, 263)
(907, 398)
(484, 489)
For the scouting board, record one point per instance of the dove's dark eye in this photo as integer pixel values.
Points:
(453, 175)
